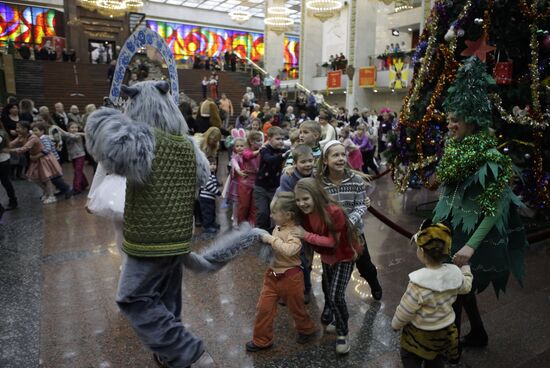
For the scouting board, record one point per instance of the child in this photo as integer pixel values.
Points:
(207, 199)
(310, 133)
(251, 163)
(283, 279)
(363, 141)
(267, 125)
(304, 163)
(327, 230)
(5, 170)
(42, 167)
(348, 189)
(255, 125)
(355, 159)
(328, 132)
(236, 173)
(40, 129)
(426, 313)
(75, 148)
(269, 175)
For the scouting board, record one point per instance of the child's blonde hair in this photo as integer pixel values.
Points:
(294, 135)
(212, 132)
(238, 140)
(253, 136)
(285, 202)
(301, 150)
(313, 126)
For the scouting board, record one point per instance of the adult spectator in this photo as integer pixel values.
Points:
(386, 124)
(311, 106)
(353, 118)
(27, 110)
(208, 116)
(25, 51)
(268, 84)
(227, 106)
(342, 115)
(10, 117)
(301, 102)
(44, 113)
(87, 111)
(256, 83)
(248, 99)
(60, 118)
(74, 115)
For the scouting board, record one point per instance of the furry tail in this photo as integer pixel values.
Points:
(124, 147)
(223, 249)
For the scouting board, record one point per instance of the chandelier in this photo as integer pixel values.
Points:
(278, 19)
(324, 9)
(240, 16)
(112, 8)
(401, 5)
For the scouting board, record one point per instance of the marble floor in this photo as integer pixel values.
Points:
(59, 268)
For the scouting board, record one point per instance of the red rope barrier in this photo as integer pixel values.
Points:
(390, 223)
(540, 235)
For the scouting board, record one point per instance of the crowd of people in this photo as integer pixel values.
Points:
(301, 173)
(35, 143)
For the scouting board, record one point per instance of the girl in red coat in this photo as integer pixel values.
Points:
(327, 229)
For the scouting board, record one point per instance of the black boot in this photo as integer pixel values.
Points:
(376, 289)
(2, 210)
(12, 204)
(326, 316)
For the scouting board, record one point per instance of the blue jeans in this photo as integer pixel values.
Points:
(149, 295)
(208, 212)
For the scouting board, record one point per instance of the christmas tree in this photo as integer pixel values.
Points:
(512, 38)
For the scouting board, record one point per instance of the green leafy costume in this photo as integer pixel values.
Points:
(476, 198)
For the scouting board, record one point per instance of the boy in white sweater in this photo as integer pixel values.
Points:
(426, 313)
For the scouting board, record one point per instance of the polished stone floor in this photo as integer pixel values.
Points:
(59, 268)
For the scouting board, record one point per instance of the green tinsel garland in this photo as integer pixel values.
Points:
(464, 158)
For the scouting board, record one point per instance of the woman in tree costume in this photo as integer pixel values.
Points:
(476, 197)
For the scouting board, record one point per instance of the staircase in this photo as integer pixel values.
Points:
(47, 82)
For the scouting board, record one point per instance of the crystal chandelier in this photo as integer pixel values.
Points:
(112, 8)
(278, 19)
(324, 9)
(240, 16)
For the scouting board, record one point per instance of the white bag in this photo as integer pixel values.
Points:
(108, 198)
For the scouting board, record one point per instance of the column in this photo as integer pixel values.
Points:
(273, 44)
(361, 46)
(311, 46)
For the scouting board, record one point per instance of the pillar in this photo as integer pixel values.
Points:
(361, 46)
(273, 44)
(311, 46)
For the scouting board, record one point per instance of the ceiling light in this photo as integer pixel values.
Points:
(401, 5)
(240, 16)
(323, 5)
(409, 29)
(278, 10)
(375, 90)
(395, 32)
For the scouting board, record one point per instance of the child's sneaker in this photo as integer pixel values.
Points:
(50, 200)
(342, 345)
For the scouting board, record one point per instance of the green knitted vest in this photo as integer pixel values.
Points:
(158, 216)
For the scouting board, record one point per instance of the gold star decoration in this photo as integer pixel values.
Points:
(478, 48)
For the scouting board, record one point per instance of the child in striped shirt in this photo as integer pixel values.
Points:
(207, 199)
(426, 310)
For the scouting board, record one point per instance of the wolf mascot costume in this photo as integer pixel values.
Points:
(148, 144)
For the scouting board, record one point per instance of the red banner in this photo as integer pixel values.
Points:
(334, 79)
(367, 77)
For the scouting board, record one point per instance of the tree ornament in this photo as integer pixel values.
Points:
(478, 21)
(527, 156)
(478, 48)
(450, 35)
(389, 145)
(432, 142)
(503, 72)
(545, 44)
(460, 32)
(505, 149)
(408, 139)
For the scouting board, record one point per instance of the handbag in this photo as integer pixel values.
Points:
(503, 71)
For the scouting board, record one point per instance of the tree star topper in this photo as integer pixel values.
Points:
(478, 48)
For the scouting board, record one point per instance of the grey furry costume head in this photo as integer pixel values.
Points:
(151, 101)
(125, 143)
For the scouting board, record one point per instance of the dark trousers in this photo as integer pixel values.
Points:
(60, 184)
(411, 360)
(469, 302)
(263, 198)
(366, 268)
(306, 256)
(208, 212)
(6, 182)
(268, 92)
(149, 295)
(368, 161)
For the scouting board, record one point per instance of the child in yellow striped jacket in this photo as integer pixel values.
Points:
(426, 313)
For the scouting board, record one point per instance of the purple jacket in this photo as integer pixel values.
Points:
(363, 143)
